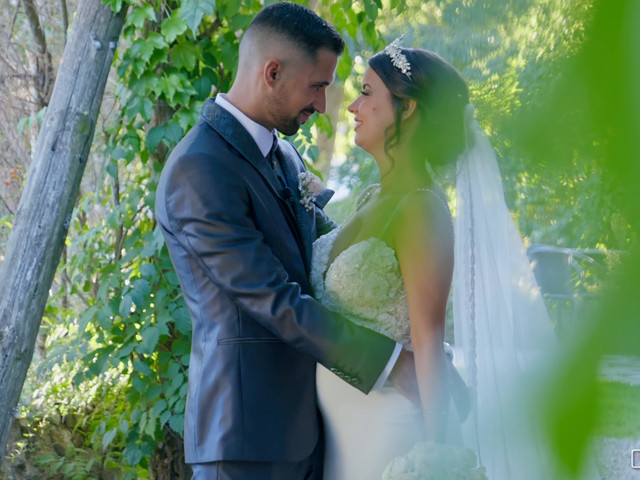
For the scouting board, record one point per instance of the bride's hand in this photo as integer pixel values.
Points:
(403, 376)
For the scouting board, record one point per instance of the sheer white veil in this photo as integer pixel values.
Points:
(501, 324)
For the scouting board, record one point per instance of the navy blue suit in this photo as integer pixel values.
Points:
(241, 247)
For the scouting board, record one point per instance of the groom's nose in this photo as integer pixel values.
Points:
(320, 101)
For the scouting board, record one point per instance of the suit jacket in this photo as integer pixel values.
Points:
(241, 246)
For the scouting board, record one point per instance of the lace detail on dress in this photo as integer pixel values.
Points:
(364, 282)
(319, 260)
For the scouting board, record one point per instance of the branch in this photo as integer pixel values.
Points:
(6, 205)
(44, 70)
(34, 24)
(13, 23)
(65, 20)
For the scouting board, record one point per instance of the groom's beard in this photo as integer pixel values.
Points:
(289, 126)
(284, 122)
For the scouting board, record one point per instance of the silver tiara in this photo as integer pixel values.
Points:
(394, 50)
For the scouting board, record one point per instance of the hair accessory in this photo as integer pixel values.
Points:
(394, 50)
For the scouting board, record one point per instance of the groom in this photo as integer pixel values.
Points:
(240, 240)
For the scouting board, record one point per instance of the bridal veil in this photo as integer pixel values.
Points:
(500, 321)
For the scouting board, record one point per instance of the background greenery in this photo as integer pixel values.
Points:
(115, 338)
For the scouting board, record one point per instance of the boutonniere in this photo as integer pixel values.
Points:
(310, 187)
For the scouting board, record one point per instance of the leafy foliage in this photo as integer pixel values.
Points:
(117, 329)
(117, 320)
(511, 54)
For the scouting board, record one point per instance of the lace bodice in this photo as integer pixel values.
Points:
(363, 283)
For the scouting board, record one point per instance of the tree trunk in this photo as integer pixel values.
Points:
(168, 460)
(42, 220)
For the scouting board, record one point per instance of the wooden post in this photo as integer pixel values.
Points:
(44, 213)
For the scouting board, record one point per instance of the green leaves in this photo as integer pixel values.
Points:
(345, 64)
(202, 86)
(133, 454)
(140, 15)
(192, 12)
(170, 133)
(172, 27)
(116, 5)
(184, 55)
(149, 343)
(126, 306)
(108, 438)
(143, 48)
(128, 328)
(371, 8)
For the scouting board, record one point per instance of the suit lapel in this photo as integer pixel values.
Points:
(234, 133)
(292, 166)
(238, 137)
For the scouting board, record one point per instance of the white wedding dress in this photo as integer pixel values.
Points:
(363, 432)
(501, 327)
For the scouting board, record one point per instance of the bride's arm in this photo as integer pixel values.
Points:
(423, 238)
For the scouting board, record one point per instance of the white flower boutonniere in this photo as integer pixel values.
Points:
(310, 187)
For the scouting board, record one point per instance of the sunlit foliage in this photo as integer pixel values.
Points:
(116, 317)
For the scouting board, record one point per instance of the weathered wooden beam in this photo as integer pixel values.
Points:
(42, 220)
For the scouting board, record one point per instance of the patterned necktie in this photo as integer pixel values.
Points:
(273, 157)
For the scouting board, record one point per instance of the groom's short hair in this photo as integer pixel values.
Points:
(299, 25)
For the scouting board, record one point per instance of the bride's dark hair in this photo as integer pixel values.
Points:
(440, 93)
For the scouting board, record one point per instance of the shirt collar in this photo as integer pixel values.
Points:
(262, 136)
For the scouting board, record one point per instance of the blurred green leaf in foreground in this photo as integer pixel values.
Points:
(594, 106)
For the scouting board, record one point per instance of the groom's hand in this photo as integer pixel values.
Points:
(403, 376)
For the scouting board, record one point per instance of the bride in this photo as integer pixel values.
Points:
(392, 262)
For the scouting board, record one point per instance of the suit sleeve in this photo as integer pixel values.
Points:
(323, 223)
(208, 210)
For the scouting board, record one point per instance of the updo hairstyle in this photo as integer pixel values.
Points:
(440, 93)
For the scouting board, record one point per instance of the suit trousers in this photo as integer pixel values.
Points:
(224, 470)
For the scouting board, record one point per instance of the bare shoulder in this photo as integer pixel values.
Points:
(425, 208)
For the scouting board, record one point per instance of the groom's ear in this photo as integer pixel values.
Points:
(272, 71)
(408, 107)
